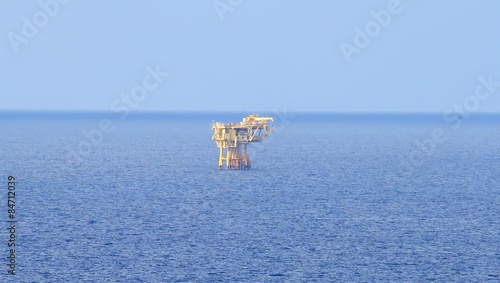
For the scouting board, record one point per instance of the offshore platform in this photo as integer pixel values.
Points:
(232, 140)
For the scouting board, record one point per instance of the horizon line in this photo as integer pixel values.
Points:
(81, 111)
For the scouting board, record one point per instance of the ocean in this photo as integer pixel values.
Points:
(330, 198)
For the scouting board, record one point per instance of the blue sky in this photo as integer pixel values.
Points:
(244, 55)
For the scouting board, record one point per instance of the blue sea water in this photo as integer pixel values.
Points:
(330, 198)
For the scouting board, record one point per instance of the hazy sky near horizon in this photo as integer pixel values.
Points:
(415, 56)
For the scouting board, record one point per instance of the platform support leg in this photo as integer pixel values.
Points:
(221, 156)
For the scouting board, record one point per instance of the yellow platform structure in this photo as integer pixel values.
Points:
(232, 140)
